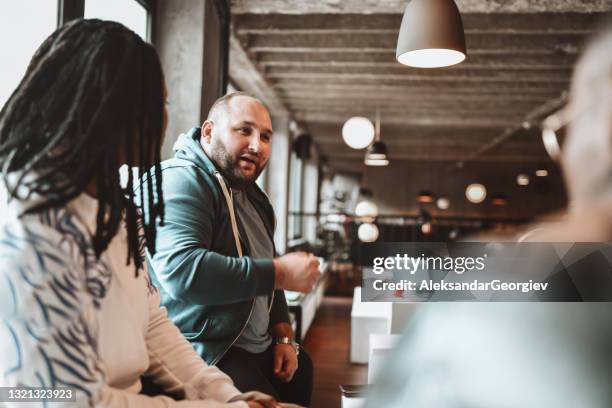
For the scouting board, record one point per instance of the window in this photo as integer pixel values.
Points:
(130, 13)
(19, 40)
(134, 16)
(295, 196)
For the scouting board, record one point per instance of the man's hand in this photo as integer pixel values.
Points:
(285, 362)
(296, 271)
(256, 399)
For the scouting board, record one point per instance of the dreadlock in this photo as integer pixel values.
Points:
(92, 98)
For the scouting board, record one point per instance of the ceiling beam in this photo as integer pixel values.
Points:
(389, 113)
(400, 132)
(389, 97)
(552, 71)
(476, 43)
(515, 23)
(328, 132)
(472, 85)
(453, 145)
(509, 64)
(441, 121)
(439, 78)
(387, 58)
(397, 6)
(247, 77)
(333, 144)
(341, 113)
(416, 88)
(395, 105)
(446, 157)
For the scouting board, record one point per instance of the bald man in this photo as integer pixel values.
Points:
(215, 262)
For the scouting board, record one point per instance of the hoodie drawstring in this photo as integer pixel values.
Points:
(230, 205)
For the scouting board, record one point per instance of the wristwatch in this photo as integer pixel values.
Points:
(287, 340)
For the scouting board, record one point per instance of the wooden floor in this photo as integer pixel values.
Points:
(328, 343)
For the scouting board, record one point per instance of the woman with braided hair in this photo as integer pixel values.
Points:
(77, 308)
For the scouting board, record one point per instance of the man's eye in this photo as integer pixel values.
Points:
(265, 137)
(245, 130)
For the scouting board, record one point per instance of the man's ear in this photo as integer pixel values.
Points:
(206, 130)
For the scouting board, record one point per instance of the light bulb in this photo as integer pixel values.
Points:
(476, 193)
(366, 208)
(358, 132)
(443, 203)
(367, 232)
(522, 180)
(431, 58)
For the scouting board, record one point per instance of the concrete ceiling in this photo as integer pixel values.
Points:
(325, 61)
(397, 6)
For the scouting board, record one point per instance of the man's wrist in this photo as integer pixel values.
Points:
(283, 340)
(288, 341)
(279, 274)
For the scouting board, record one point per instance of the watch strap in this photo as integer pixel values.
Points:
(287, 340)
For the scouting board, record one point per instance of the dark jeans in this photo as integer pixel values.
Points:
(255, 372)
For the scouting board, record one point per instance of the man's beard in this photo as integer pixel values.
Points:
(230, 166)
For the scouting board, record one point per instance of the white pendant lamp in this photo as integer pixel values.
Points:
(522, 180)
(367, 232)
(358, 132)
(431, 35)
(443, 203)
(476, 193)
(366, 208)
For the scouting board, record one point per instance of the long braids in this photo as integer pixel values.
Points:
(93, 91)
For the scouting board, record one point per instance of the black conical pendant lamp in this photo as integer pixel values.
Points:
(431, 35)
(376, 154)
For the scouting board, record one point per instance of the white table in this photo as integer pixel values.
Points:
(367, 318)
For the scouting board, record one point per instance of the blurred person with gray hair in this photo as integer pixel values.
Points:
(526, 354)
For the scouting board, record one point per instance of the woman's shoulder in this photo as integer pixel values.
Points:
(51, 245)
(50, 230)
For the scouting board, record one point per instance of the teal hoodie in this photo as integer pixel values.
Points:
(207, 289)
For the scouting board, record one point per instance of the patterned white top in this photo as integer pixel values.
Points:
(70, 320)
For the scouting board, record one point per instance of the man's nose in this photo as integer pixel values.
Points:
(254, 143)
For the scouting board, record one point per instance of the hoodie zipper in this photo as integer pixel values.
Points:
(216, 360)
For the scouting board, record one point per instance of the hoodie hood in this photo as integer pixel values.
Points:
(187, 147)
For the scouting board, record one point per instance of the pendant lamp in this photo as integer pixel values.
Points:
(376, 155)
(358, 132)
(425, 196)
(476, 193)
(431, 35)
